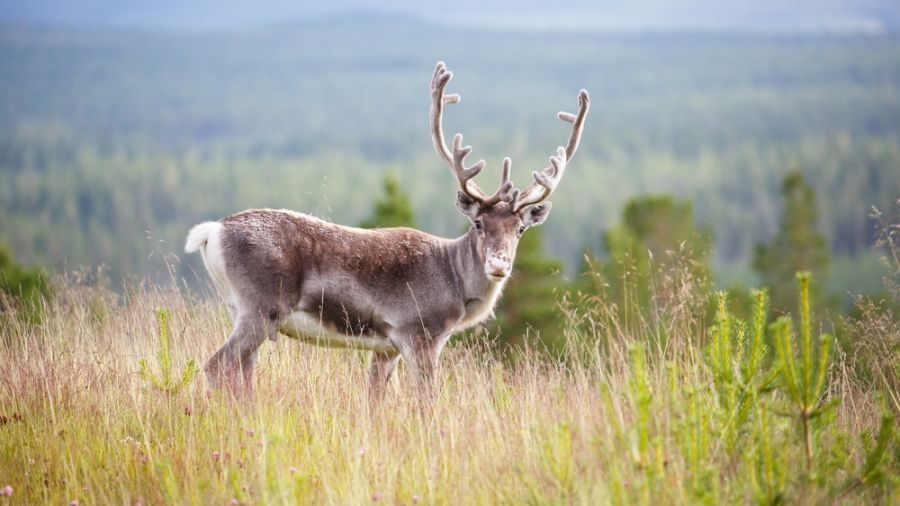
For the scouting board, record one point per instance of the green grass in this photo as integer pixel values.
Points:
(623, 418)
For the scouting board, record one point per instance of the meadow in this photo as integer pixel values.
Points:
(665, 409)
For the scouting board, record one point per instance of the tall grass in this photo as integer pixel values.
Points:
(623, 418)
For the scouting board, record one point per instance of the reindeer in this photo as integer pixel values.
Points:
(397, 292)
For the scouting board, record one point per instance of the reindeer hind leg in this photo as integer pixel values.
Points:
(231, 367)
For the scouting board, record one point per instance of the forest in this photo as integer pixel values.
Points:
(113, 143)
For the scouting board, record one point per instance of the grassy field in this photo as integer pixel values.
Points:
(666, 410)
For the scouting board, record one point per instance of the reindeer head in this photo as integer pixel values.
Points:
(499, 220)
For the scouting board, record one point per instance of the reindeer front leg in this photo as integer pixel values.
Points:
(383, 365)
(423, 365)
(422, 352)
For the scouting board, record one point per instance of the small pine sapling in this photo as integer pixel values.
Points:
(872, 471)
(768, 471)
(640, 388)
(803, 380)
(735, 357)
(166, 381)
(647, 451)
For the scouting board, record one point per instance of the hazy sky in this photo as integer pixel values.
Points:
(778, 15)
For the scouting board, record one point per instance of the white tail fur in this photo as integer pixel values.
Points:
(199, 235)
(207, 239)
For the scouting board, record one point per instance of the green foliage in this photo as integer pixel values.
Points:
(393, 208)
(166, 381)
(873, 468)
(695, 441)
(22, 290)
(657, 234)
(803, 379)
(797, 246)
(736, 357)
(557, 456)
(769, 465)
(527, 311)
(643, 398)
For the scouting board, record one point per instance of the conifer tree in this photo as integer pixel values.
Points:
(393, 208)
(797, 246)
(655, 231)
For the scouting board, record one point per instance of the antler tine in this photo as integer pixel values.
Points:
(453, 160)
(577, 121)
(506, 192)
(546, 180)
(465, 174)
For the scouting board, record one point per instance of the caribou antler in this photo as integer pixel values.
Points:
(455, 160)
(546, 180)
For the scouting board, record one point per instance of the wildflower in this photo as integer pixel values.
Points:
(416, 499)
(216, 455)
(74, 502)
(293, 470)
(376, 496)
(188, 410)
(6, 491)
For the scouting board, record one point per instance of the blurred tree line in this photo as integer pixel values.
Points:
(148, 133)
(655, 256)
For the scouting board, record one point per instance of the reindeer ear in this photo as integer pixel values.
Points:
(536, 214)
(467, 205)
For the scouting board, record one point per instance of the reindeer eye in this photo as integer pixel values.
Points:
(478, 225)
(522, 229)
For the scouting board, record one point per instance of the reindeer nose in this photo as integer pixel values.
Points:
(498, 266)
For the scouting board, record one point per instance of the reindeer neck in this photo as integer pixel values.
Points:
(468, 264)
